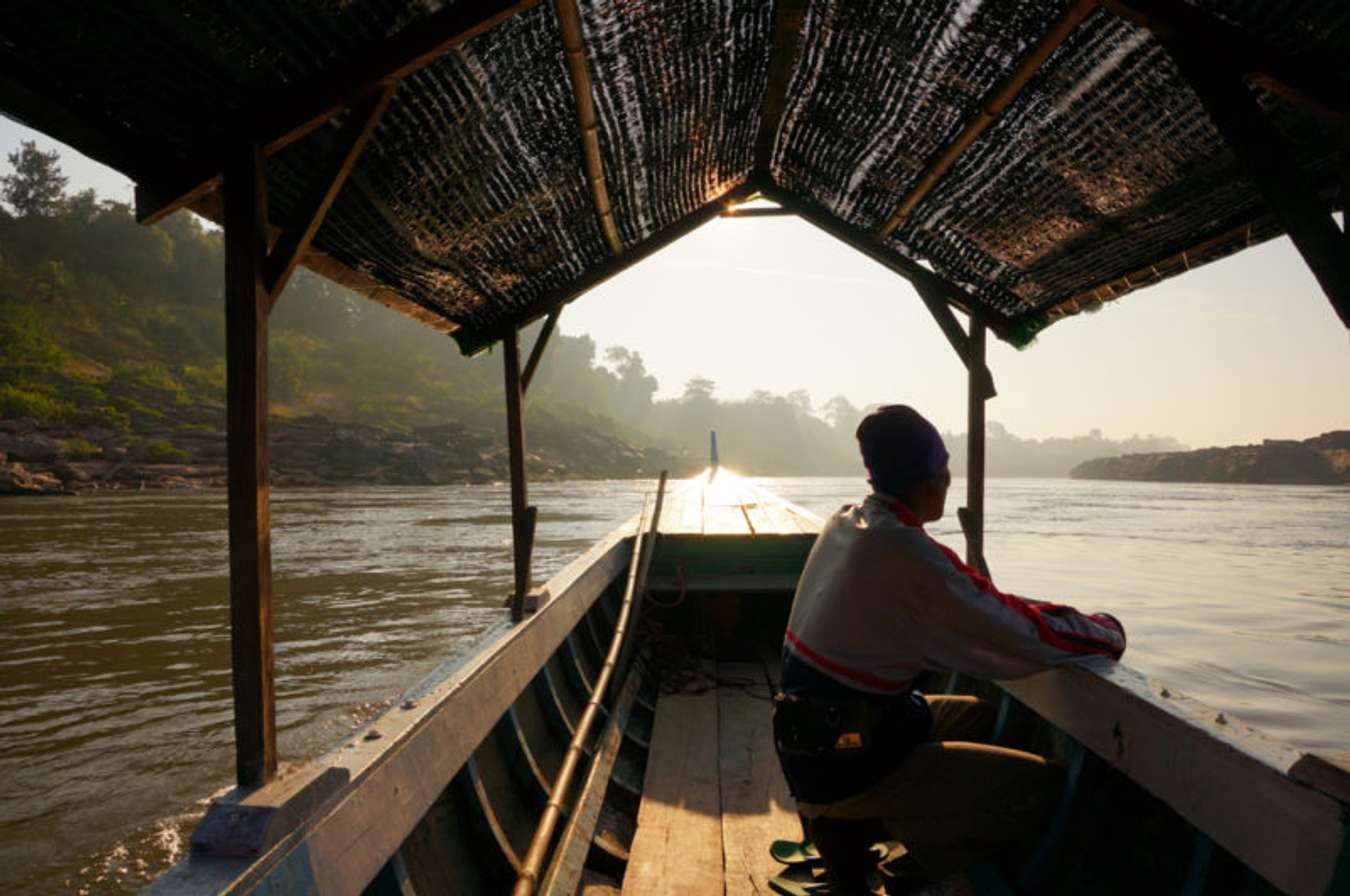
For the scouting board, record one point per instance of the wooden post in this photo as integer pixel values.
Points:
(972, 520)
(246, 306)
(521, 519)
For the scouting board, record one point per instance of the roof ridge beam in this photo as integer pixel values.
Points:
(279, 122)
(474, 341)
(992, 107)
(574, 46)
(1299, 81)
(938, 293)
(787, 36)
(294, 243)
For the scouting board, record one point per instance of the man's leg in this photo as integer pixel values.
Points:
(961, 717)
(954, 804)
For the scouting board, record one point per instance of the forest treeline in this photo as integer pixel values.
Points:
(108, 324)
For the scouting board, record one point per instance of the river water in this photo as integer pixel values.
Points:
(115, 724)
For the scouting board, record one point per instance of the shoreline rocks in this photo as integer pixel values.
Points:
(42, 459)
(1321, 460)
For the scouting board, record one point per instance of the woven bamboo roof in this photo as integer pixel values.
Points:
(507, 174)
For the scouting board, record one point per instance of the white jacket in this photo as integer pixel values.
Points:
(880, 601)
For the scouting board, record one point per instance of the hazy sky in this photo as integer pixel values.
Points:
(1242, 349)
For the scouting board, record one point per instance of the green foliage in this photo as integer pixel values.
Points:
(33, 400)
(206, 383)
(150, 375)
(78, 448)
(161, 452)
(36, 186)
(105, 416)
(28, 344)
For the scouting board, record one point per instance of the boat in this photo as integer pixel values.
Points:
(478, 166)
(676, 787)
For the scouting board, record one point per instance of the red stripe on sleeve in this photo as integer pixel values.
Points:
(1075, 643)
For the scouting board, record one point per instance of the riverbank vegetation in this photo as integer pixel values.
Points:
(112, 373)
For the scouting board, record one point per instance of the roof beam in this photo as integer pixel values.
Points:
(860, 239)
(1262, 152)
(294, 243)
(279, 122)
(991, 108)
(72, 121)
(574, 46)
(1311, 81)
(537, 353)
(759, 212)
(936, 292)
(472, 342)
(787, 36)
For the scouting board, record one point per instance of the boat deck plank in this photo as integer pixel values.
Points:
(677, 848)
(756, 806)
(714, 797)
(727, 504)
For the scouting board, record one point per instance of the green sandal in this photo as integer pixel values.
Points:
(791, 887)
(794, 852)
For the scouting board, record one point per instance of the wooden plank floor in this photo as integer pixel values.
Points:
(727, 504)
(714, 797)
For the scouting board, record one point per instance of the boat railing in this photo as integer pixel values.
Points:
(638, 567)
(1212, 769)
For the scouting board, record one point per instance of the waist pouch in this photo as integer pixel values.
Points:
(821, 727)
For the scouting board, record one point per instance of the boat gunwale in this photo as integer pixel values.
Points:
(1216, 772)
(329, 853)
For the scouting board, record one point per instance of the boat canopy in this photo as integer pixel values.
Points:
(478, 164)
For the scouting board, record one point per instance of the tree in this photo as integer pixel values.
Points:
(841, 413)
(37, 186)
(698, 389)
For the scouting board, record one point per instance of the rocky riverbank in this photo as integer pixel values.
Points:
(54, 459)
(1323, 460)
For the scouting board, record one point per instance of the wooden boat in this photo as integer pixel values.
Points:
(678, 789)
(1001, 156)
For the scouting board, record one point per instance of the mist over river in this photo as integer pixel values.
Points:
(115, 717)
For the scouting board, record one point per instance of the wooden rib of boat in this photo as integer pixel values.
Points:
(678, 789)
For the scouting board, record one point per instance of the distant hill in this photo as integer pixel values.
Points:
(1324, 459)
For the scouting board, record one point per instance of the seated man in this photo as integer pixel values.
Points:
(880, 602)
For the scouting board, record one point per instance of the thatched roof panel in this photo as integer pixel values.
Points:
(471, 203)
(678, 89)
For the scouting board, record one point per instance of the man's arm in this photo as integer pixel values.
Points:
(982, 631)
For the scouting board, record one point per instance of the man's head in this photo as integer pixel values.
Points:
(905, 457)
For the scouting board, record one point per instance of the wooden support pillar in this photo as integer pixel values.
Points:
(972, 515)
(522, 515)
(247, 302)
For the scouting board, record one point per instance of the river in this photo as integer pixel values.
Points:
(115, 724)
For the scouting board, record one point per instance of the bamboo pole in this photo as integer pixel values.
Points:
(574, 46)
(522, 528)
(246, 307)
(991, 107)
(638, 567)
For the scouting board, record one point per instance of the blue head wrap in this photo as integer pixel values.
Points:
(900, 448)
